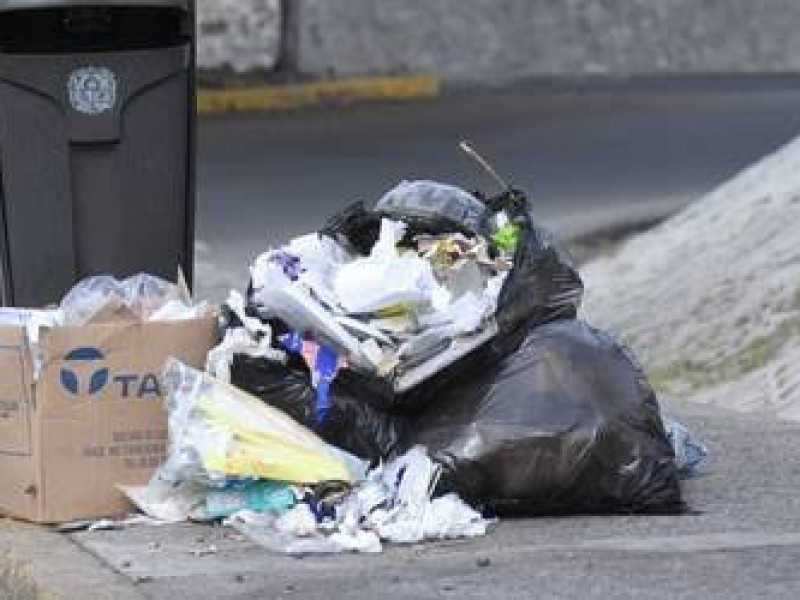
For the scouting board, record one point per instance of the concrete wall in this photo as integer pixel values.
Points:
(242, 35)
(501, 40)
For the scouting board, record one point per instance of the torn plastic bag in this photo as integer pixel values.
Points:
(350, 423)
(88, 297)
(218, 432)
(565, 424)
(146, 297)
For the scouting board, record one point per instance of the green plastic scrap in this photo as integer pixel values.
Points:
(507, 238)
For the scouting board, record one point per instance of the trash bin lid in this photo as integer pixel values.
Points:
(7, 5)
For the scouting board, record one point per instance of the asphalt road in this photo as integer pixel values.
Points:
(589, 158)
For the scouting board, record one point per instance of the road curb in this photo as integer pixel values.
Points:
(36, 563)
(318, 93)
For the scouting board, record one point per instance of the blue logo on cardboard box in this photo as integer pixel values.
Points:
(99, 378)
(74, 381)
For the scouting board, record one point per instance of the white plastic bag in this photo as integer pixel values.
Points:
(296, 533)
(147, 297)
(450, 518)
(254, 338)
(88, 297)
(385, 278)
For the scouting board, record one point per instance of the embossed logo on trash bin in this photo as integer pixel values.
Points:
(92, 90)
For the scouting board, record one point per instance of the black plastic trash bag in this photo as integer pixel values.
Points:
(543, 285)
(565, 424)
(350, 423)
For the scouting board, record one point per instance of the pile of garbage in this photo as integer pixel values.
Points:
(405, 372)
(393, 297)
(394, 300)
(233, 457)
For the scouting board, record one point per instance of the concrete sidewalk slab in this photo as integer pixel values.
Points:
(42, 564)
(741, 540)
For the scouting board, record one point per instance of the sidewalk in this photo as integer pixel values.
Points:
(741, 540)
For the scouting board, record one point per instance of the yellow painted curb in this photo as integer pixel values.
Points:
(318, 93)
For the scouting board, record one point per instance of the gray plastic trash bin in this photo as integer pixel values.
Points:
(97, 119)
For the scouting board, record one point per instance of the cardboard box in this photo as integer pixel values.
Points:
(94, 417)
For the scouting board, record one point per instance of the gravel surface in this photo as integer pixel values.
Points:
(710, 299)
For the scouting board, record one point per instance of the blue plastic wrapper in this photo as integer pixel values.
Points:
(324, 364)
(690, 453)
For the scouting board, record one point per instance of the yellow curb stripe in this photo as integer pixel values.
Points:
(317, 93)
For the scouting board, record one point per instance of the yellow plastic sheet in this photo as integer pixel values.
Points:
(221, 432)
